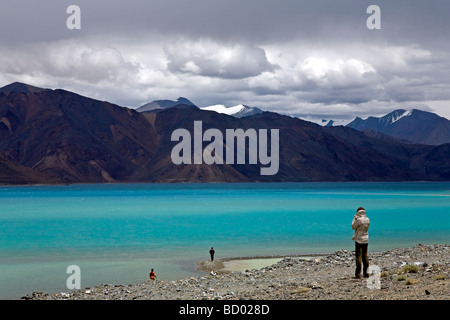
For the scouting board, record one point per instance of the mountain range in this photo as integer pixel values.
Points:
(414, 125)
(238, 111)
(57, 136)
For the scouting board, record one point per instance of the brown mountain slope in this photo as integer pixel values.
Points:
(307, 152)
(14, 173)
(73, 139)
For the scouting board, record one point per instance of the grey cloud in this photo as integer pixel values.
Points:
(287, 55)
(211, 59)
(68, 59)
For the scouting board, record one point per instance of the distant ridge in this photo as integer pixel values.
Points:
(165, 104)
(18, 87)
(414, 125)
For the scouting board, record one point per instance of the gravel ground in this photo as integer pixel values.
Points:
(418, 273)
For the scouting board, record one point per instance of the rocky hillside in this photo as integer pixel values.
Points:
(71, 139)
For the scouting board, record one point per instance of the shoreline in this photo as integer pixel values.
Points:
(420, 272)
(220, 182)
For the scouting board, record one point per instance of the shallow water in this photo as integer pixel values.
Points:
(249, 264)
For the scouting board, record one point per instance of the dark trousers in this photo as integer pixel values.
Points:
(361, 258)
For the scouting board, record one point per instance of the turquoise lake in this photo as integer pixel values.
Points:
(116, 233)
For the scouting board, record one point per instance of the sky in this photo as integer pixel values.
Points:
(312, 59)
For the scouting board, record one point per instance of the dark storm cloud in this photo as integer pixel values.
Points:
(286, 56)
(249, 20)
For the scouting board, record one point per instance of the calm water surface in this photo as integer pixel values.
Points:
(117, 232)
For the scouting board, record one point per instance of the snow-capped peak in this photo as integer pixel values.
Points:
(326, 122)
(220, 108)
(406, 113)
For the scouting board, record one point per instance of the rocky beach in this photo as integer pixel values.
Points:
(417, 273)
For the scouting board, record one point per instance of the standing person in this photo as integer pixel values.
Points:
(152, 275)
(211, 252)
(361, 224)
